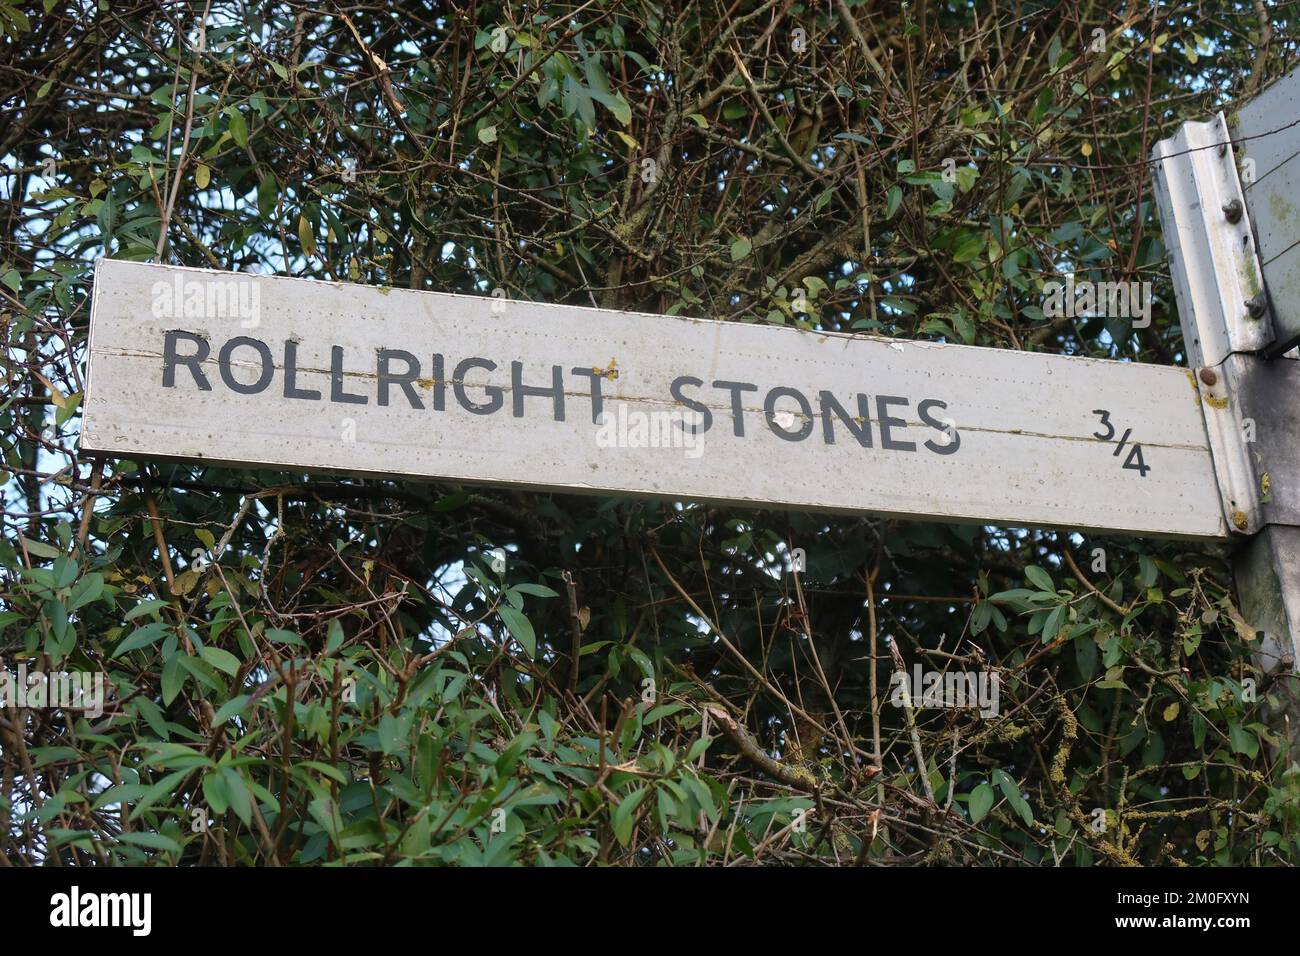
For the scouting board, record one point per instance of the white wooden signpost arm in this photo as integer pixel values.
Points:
(306, 375)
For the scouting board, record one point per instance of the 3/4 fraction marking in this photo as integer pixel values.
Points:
(1134, 459)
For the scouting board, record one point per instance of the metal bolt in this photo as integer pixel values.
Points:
(1233, 211)
(1207, 376)
(1257, 305)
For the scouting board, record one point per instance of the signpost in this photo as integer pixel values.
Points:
(306, 375)
(303, 375)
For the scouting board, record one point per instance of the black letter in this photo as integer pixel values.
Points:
(291, 389)
(336, 381)
(699, 408)
(887, 422)
(597, 399)
(805, 424)
(494, 392)
(519, 389)
(404, 380)
(949, 431)
(862, 432)
(227, 375)
(439, 384)
(171, 359)
(737, 413)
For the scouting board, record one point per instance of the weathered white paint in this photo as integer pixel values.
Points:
(1025, 422)
(1269, 130)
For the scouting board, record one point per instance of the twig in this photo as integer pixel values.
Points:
(576, 651)
(1078, 573)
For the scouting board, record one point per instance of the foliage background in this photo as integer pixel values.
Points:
(475, 146)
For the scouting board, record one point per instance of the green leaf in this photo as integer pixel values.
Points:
(537, 590)
(143, 608)
(740, 248)
(1052, 626)
(417, 838)
(230, 708)
(1085, 656)
(1011, 790)
(642, 661)
(1039, 578)
(279, 636)
(237, 790)
(215, 793)
(1243, 741)
(697, 749)
(390, 732)
(142, 637)
(222, 660)
(152, 714)
(1148, 572)
(981, 802)
(268, 194)
(334, 638)
(238, 127)
(65, 571)
(88, 589)
(152, 841)
(970, 247)
(306, 237)
(625, 815)
(520, 629)
(659, 713)
(39, 549)
(173, 677)
(620, 108)
(329, 770)
(165, 786)
(893, 200)
(964, 326)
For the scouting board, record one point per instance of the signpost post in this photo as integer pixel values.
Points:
(1234, 254)
(1268, 132)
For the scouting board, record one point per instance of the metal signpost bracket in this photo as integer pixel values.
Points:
(1221, 300)
(1207, 230)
